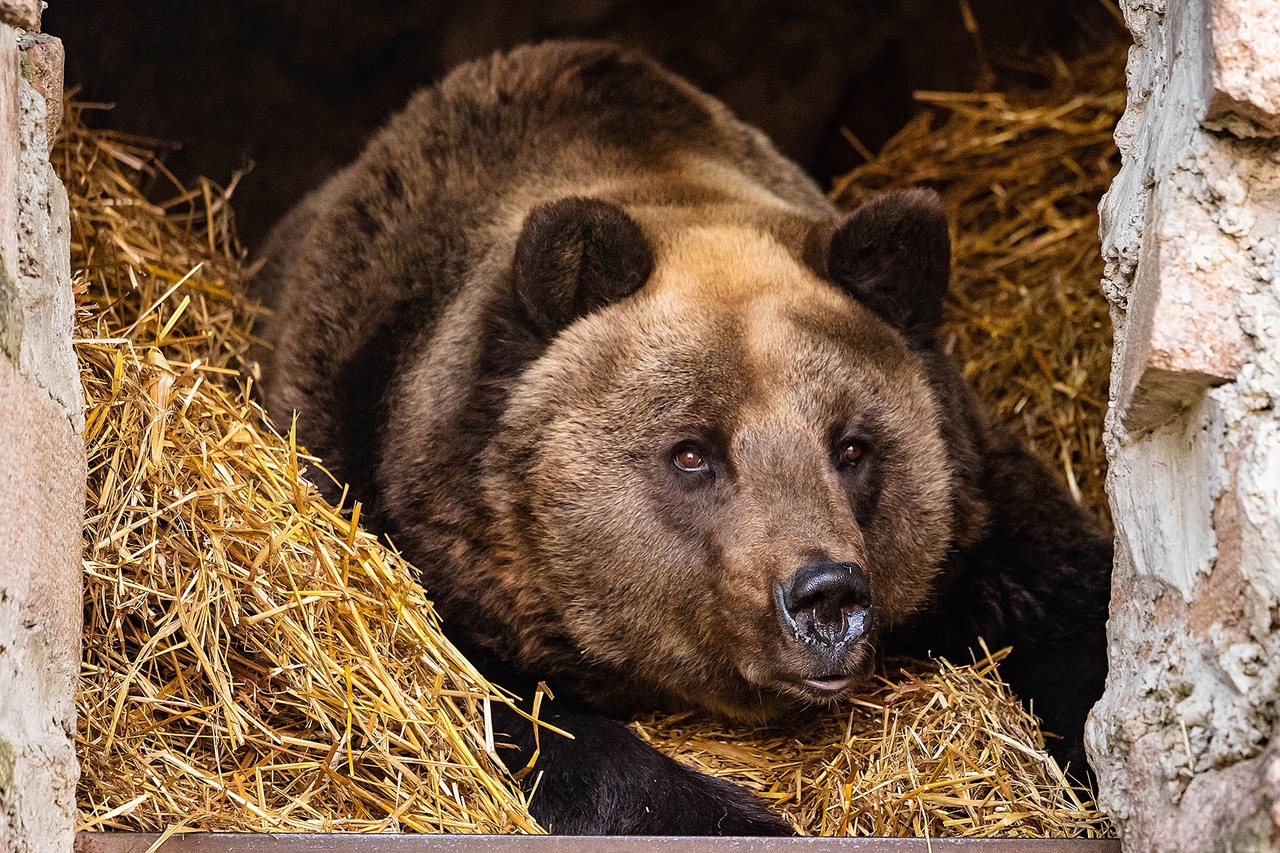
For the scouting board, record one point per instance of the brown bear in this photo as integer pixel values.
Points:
(660, 426)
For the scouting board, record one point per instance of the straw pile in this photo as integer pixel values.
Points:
(932, 750)
(1021, 175)
(252, 659)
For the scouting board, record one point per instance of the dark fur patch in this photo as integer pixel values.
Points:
(575, 256)
(392, 183)
(893, 255)
(601, 796)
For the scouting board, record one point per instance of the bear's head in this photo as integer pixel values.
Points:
(720, 463)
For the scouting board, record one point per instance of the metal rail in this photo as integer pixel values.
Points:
(222, 842)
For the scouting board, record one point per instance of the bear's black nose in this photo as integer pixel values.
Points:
(828, 603)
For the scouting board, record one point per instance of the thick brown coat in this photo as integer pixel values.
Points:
(563, 265)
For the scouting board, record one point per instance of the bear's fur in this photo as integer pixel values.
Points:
(556, 275)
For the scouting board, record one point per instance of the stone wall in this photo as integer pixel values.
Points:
(41, 455)
(1182, 739)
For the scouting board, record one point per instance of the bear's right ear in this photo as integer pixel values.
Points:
(574, 256)
(893, 255)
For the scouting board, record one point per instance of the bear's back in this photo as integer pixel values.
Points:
(569, 114)
(502, 134)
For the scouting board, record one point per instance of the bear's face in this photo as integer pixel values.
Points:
(726, 482)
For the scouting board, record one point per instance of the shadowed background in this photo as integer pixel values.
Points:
(296, 86)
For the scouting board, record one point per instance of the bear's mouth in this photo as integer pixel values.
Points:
(830, 684)
(832, 677)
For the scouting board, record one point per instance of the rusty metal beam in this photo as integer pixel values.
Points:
(219, 842)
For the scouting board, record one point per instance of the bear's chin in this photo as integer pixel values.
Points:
(827, 686)
(763, 694)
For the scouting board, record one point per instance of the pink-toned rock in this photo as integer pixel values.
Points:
(42, 61)
(21, 13)
(1184, 331)
(42, 475)
(41, 508)
(1183, 741)
(10, 110)
(1244, 63)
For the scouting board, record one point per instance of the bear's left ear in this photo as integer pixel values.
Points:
(893, 255)
(574, 256)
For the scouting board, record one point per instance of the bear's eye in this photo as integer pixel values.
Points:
(850, 453)
(687, 457)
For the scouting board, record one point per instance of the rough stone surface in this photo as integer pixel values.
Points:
(1183, 331)
(42, 470)
(10, 110)
(1243, 65)
(21, 13)
(42, 63)
(1182, 739)
(1176, 291)
(41, 509)
(44, 247)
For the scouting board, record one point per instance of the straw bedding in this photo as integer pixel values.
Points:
(932, 749)
(253, 660)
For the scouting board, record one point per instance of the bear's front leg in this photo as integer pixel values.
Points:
(607, 781)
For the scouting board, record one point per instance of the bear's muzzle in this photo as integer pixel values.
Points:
(826, 608)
